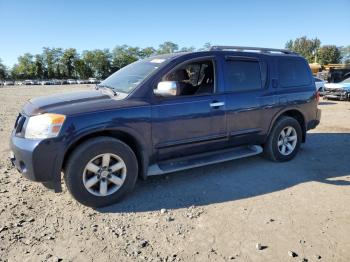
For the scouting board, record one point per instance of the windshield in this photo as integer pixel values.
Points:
(347, 80)
(129, 77)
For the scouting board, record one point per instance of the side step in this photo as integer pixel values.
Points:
(203, 159)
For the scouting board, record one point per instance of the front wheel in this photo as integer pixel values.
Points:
(100, 171)
(284, 140)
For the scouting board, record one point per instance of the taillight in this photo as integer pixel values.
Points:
(318, 96)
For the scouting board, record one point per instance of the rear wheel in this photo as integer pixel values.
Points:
(284, 140)
(100, 171)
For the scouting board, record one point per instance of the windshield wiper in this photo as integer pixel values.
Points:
(107, 88)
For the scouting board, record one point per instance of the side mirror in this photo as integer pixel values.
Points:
(167, 88)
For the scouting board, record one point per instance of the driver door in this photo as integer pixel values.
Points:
(192, 123)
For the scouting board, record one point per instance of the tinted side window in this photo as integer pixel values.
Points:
(194, 78)
(242, 75)
(293, 72)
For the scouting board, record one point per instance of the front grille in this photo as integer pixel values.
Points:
(334, 90)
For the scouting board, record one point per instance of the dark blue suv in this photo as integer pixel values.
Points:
(164, 114)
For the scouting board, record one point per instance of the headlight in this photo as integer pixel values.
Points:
(44, 126)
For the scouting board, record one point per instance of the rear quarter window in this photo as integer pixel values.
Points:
(293, 73)
(241, 75)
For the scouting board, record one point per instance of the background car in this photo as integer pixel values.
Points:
(81, 81)
(46, 82)
(340, 91)
(320, 85)
(9, 83)
(71, 81)
(28, 82)
(93, 80)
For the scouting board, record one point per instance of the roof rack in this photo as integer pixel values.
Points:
(247, 48)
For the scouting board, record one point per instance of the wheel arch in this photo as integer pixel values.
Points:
(294, 113)
(125, 136)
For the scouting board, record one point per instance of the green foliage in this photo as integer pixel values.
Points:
(124, 55)
(345, 54)
(68, 59)
(147, 52)
(25, 67)
(99, 61)
(328, 54)
(205, 47)
(82, 70)
(167, 48)
(3, 71)
(39, 67)
(56, 63)
(305, 47)
(52, 57)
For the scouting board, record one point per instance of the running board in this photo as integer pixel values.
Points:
(202, 159)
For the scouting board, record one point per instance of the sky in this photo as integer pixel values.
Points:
(30, 25)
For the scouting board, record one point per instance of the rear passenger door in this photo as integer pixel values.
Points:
(247, 99)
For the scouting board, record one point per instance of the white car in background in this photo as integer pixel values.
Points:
(320, 85)
(46, 82)
(338, 91)
(71, 81)
(8, 83)
(82, 81)
(93, 80)
(28, 82)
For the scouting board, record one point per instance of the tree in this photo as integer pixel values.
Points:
(187, 49)
(68, 59)
(82, 70)
(124, 55)
(3, 71)
(147, 52)
(305, 47)
(345, 54)
(52, 60)
(328, 54)
(25, 67)
(99, 62)
(205, 47)
(39, 70)
(289, 45)
(167, 48)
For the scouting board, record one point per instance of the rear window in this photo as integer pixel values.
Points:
(293, 73)
(243, 75)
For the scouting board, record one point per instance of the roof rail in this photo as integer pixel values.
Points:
(248, 48)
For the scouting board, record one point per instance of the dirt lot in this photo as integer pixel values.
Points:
(216, 213)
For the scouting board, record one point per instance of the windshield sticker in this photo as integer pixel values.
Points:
(157, 61)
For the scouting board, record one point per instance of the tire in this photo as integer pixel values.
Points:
(105, 186)
(273, 150)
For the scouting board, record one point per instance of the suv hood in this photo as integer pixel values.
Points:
(72, 103)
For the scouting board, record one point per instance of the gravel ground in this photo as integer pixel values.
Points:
(247, 210)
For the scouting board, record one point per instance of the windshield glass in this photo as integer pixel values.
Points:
(129, 77)
(347, 80)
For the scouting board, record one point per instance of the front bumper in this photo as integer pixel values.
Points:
(37, 160)
(336, 95)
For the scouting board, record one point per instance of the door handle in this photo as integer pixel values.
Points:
(217, 104)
